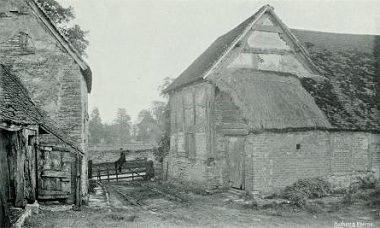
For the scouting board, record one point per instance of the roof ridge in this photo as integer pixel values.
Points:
(58, 30)
(85, 68)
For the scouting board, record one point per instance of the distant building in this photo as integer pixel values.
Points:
(53, 72)
(266, 105)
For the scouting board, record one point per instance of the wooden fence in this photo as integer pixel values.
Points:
(139, 169)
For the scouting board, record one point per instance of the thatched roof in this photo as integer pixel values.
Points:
(271, 100)
(351, 63)
(17, 108)
(10, 8)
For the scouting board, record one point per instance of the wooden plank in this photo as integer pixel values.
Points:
(236, 161)
(267, 51)
(53, 192)
(54, 196)
(235, 131)
(78, 191)
(267, 28)
(20, 181)
(55, 174)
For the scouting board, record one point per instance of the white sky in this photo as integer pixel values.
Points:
(134, 45)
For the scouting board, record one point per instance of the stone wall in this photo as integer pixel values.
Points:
(52, 77)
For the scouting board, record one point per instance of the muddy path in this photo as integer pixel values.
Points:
(151, 204)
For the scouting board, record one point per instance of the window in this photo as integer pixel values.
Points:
(190, 145)
(189, 108)
(30, 140)
(298, 146)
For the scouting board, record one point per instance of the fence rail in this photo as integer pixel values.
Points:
(138, 169)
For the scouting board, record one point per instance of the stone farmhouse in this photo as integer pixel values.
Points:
(51, 69)
(266, 105)
(28, 169)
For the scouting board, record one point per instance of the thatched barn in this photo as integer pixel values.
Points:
(266, 105)
(30, 169)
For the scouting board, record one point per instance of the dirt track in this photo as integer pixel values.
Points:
(148, 204)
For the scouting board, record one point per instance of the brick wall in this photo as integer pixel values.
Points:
(273, 160)
(53, 79)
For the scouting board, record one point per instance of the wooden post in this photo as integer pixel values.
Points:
(78, 193)
(108, 173)
(117, 176)
(99, 178)
(90, 169)
(4, 212)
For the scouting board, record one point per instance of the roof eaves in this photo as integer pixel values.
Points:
(301, 49)
(47, 21)
(257, 16)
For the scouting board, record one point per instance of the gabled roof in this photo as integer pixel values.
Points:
(61, 39)
(209, 59)
(349, 97)
(17, 108)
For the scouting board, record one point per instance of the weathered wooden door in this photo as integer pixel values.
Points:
(55, 174)
(236, 156)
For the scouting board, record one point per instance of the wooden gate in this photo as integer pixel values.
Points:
(236, 156)
(139, 169)
(57, 174)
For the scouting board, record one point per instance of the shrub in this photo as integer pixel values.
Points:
(305, 189)
(367, 182)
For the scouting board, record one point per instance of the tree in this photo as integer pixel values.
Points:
(164, 85)
(96, 128)
(147, 128)
(62, 17)
(122, 126)
(109, 134)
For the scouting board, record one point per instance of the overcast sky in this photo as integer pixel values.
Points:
(134, 45)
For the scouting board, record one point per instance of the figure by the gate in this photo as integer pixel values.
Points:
(120, 162)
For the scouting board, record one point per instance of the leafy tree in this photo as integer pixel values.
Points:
(95, 127)
(109, 134)
(61, 17)
(164, 85)
(147, 128)
(122, 126)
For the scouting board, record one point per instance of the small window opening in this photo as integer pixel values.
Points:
(30, 140)
(298, 146)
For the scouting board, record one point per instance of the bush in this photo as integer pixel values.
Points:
(367, 182)
(305, 189)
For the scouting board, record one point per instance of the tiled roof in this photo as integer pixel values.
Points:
(16, 107)
(351, 63)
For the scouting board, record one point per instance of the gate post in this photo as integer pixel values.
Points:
(90, 169)
(149, 173)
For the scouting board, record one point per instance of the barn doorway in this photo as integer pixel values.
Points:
(236, 155)
(57, 174)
